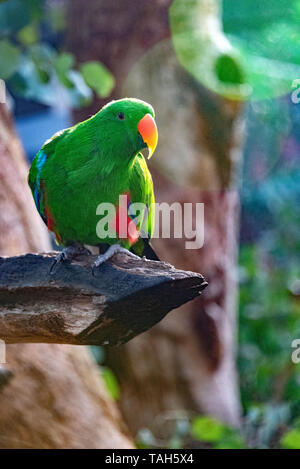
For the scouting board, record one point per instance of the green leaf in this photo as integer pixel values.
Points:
(9, 59)
(62, 64)
(291, 440)
(64, 61)
(228, 70)
(111, 382)
(207, 429)
(98, 78)
(28, 35)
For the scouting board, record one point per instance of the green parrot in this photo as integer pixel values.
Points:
(99, 161)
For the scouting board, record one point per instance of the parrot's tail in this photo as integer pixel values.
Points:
(147, 250)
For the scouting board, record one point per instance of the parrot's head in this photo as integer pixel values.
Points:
(129, 127)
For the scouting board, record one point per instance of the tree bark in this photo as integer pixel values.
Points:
(74, 306)
(188, 360)
(51, 396)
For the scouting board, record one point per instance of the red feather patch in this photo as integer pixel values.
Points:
(123, 224)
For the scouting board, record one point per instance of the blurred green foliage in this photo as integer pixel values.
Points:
(266, 34)
(98, 78)
(203, 49)
(291, 439)
(269, 274)
(207, 429)
(252, 52)
(185, 432)
(32, 63)
(219, 435)
(269, 321)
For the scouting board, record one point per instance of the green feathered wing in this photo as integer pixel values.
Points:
(141, 188)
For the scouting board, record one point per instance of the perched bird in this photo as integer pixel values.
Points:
(96, 162)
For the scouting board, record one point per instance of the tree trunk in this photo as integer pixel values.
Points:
(188, 360)
(53, 396)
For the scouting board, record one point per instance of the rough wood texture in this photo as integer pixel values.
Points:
(124, 298)
(52, 396)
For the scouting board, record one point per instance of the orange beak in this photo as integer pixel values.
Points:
(148, 130)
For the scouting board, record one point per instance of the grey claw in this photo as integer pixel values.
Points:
(61, 257)
(52, 268)
(111, 251)
(68, 253)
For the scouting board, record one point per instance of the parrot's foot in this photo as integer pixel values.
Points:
(111, 251)
(68, 253)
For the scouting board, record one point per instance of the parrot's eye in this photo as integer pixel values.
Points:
(121, 116)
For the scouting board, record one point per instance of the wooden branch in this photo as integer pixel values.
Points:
(124, 298)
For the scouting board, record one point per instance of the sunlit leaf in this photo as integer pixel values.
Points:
(98, 78)
(63, 63)
(207, 429)
(291, 440)
(28, 35)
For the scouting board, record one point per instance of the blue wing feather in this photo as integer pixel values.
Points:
(34, 180)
